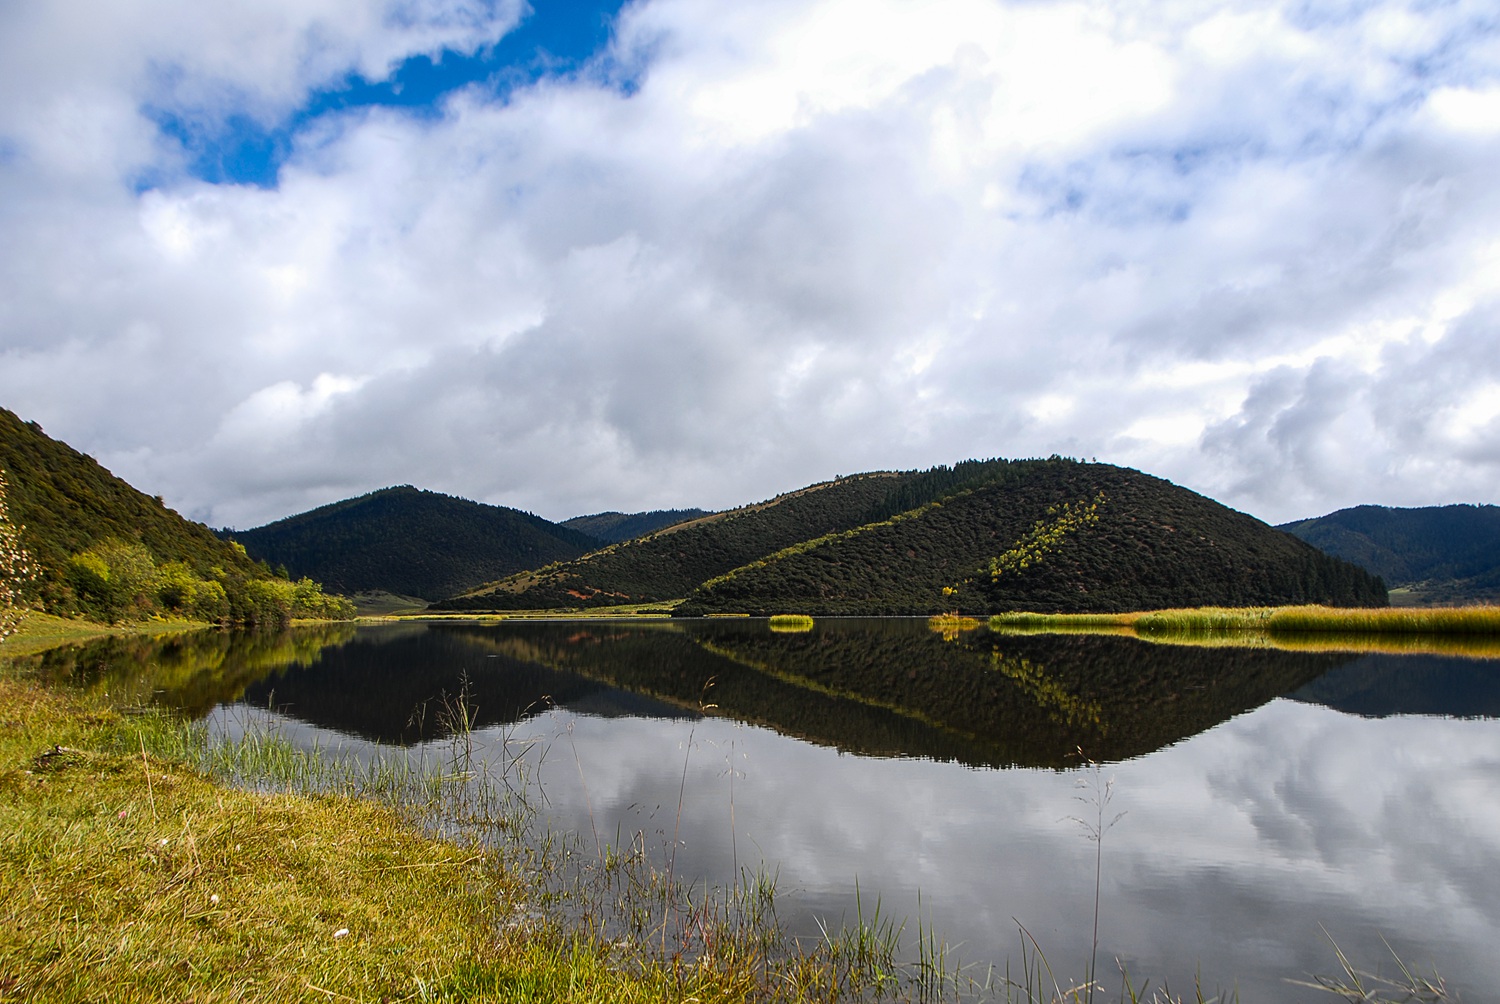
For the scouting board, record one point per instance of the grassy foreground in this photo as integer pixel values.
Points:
(139, 863)
(127, 874)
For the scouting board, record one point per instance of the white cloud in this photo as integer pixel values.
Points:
(1236, 246)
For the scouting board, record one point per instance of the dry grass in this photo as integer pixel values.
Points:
(1472, 631)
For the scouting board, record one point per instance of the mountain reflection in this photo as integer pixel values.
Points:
(873, 687)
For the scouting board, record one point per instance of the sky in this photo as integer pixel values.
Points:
(570, 257)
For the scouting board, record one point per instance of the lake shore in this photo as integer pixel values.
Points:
(126, 866)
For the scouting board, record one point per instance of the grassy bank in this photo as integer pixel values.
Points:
(1443, 630)
(138, 859)
(39, 632)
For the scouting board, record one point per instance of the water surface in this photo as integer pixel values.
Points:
(1268, 796)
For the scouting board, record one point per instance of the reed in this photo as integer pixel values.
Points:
(791, 623)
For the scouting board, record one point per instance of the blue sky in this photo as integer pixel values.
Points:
(554, 39)
(260, 256)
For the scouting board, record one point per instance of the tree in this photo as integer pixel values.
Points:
(17, 570)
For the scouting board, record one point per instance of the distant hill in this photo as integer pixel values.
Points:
(111, 552)
(614, 527)
(1436, 554)
(411, 542)
(981, 536)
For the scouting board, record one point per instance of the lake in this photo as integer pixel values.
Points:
(1264, 801)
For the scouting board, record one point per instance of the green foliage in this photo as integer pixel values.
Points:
(102, 549)
(1046, 536)
(17, 571)
(411, 542)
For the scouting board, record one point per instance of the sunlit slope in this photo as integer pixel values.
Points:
(412, 542)
(69, 503)
(671, 563)
(1047, 535)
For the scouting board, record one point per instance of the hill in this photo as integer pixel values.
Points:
(1434, 554)
(615, 527)
(411, 542)
(110, 552)
(670, 563)
(1049, 535)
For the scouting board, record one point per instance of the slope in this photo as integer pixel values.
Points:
(1047, 535)
(412, 542)
(111, 552)
(1445, 554)
(615, 527)
(670, 563)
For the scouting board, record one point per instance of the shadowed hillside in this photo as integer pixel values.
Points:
(411, 542)
(1051, 535)
(614, 527)
(1439, 554)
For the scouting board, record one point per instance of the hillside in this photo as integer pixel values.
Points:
(670, 564)
(1435, 554)
(614, 527)
(411, 542)
(1053, 536)
(111, 552)
(981, 536)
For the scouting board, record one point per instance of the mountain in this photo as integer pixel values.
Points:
(1437, 554)
(1049, 535)
(411, 542)
(614, 527)
(110, 552)
(671, 563)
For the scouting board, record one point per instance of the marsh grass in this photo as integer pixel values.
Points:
(1471, 631)
(791, 623)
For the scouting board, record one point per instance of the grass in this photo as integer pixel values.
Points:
(39, 632)
(1445, 630)
(137, 856)
(791, 622)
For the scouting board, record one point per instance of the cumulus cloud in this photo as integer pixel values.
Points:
(750, 246)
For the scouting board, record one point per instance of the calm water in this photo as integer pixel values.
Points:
(1267, 796)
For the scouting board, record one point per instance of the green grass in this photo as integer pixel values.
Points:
(137, 856)
(791, 622)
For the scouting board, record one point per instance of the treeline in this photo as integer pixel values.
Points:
(103, 550)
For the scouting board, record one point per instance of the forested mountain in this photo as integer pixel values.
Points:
(614, 527)
(981, 536)
(671, 563)
(112, 553)
(1439, 553)
(412, 542)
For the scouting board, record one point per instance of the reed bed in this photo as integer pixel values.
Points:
(1471, 631)
(791, 622)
